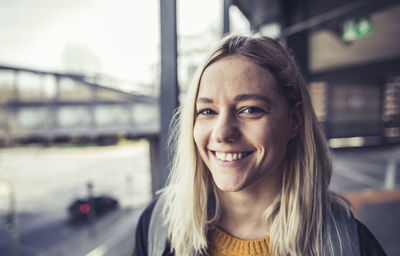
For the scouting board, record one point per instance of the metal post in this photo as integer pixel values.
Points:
(12, 215)
(14, 220)
(16, 85)
(41, 85)
(93, 103)
(329, 110)
(390, 175)
(169, 80)
(154, 150)
(54, 125)
(227, 4)
(131, 120)
(294, 13)
(92, 212)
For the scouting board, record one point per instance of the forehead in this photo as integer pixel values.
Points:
(234, 75)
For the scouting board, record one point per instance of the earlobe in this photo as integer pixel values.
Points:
(297, 119)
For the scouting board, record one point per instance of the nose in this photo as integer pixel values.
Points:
(226, 129)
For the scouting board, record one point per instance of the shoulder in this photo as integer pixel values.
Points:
(142, 230)
(369, 245)
(357, 232)
(145, 216)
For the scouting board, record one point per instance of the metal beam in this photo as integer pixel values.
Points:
(226, 21)
(298, 43)
(69, 103)
(154, 151)
(259, 12)
(82, 79)
(16, 85)
(169, 80)
(354, 8)
(41, 72)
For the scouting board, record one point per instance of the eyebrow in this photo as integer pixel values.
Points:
(204, 100)
(241, 97)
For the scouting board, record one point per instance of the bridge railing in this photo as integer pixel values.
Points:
(50, 105)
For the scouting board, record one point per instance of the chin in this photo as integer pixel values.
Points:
(226, 186)
(228, 189)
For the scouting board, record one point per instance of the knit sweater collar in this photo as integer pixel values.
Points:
(221, 243)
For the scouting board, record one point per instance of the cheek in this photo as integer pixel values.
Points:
(260, 135)
(278, 140)
(199, 136)
(200, 139)
(270, 139)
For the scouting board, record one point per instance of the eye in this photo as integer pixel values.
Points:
(206, 112)
(251, 110)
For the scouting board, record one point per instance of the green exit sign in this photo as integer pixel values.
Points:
(356, 28)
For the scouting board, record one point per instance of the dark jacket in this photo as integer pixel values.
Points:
(368, 244)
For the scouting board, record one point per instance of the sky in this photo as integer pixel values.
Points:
(120, 38)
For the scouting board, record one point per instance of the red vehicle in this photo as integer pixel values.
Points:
(91, 207)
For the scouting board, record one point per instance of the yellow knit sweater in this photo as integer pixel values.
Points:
(223, 244)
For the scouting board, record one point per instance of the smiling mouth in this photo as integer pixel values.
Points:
(231, 156)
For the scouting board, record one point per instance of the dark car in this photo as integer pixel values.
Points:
(91, 207)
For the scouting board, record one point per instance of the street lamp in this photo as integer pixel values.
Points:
(12, 220)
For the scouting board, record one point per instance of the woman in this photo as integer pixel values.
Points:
(251, 166)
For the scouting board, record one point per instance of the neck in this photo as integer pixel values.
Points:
(242, 212)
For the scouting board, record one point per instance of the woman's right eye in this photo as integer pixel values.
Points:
(206, 112)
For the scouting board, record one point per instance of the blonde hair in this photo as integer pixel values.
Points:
(299, 214)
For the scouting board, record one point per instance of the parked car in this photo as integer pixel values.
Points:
(91, 207)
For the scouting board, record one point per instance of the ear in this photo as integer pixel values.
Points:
(296, 119)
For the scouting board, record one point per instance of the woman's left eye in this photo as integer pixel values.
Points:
(252, 110)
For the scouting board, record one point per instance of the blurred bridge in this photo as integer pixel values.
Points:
(53, 106)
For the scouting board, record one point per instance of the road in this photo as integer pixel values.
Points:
(370, 179)
(47, 180)
(63, 237)
(363, 169)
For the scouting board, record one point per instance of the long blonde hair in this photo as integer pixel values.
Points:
(298, 214)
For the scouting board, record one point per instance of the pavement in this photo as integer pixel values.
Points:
(370, 179)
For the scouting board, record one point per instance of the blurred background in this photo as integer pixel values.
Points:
(87, 90)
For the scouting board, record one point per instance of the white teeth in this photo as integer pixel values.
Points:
(223, 156)
(229, 157)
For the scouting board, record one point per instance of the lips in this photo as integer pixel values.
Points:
(230, 156)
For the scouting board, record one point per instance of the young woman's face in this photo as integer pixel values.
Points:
(243, 124)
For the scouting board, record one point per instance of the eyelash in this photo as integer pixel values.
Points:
(202, 112)
(254, 111)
